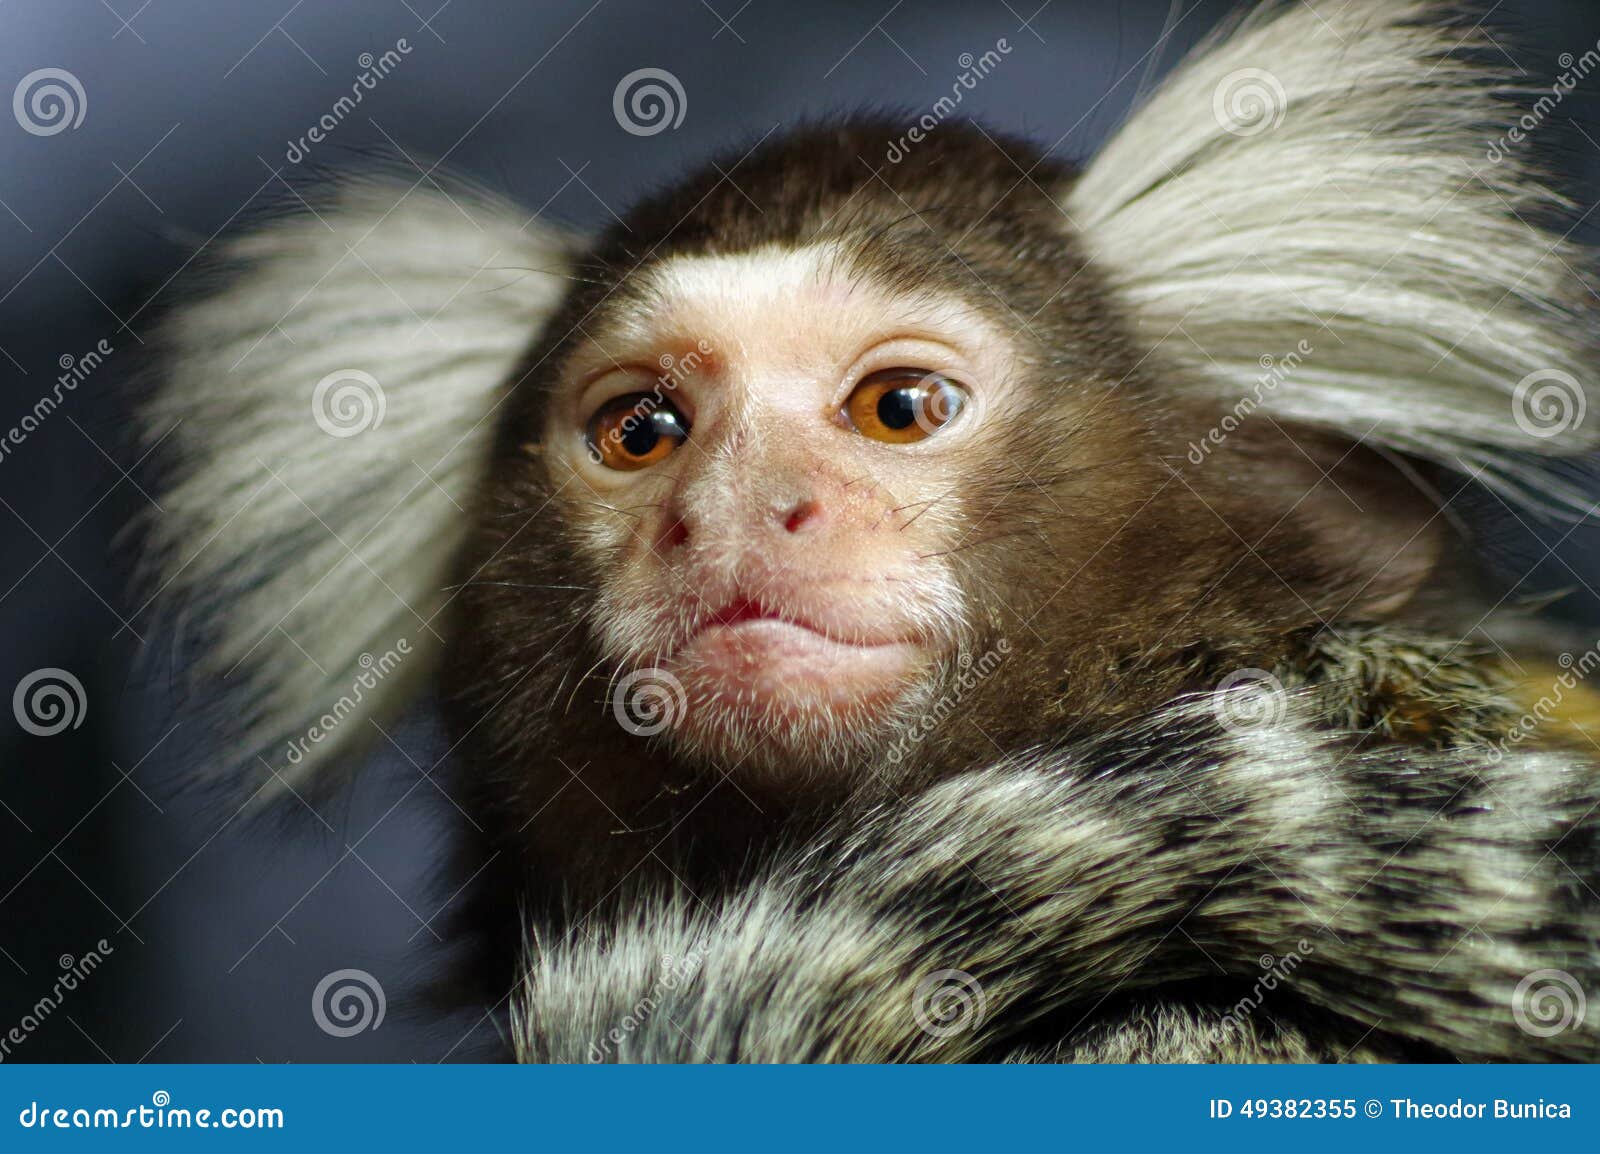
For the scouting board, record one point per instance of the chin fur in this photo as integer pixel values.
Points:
(799, 747)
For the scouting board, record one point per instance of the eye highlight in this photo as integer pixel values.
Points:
(634, 431)
(902, 405)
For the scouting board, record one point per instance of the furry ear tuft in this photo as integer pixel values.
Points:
(1328, 173)
(331, 409)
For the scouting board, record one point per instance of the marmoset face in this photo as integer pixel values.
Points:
(777, 456)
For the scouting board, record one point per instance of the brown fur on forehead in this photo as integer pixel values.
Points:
(826, 180)
(966, 211)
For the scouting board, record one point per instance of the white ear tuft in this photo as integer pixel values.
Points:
(332, 408)
(1338, 172)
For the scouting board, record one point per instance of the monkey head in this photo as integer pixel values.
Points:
(817, 455)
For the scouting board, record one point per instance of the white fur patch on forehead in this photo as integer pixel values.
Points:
(706, 289)
(783, 325)
(768, 270)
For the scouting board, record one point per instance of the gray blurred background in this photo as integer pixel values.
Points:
(220, 927)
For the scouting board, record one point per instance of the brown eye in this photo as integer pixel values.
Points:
(899, 406)
(634, 431)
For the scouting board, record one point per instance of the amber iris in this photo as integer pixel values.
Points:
(634, 431)
(899, 406)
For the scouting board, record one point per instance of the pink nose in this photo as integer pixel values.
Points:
(801, 514)
(792, 514)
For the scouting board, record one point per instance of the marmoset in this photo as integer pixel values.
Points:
(963, 606)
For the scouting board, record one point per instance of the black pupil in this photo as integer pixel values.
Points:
(642, 432)
(898, 408)
(640, 437)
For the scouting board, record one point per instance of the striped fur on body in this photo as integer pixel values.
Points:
(1122, 899)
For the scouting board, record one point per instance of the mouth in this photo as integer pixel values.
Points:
(738, 612)
(782, 661)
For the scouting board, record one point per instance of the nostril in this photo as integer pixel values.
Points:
(798, 516)
(673, 536)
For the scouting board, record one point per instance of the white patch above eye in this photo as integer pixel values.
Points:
(774, 299)
(770, 273)
(797, 318)
(816, 280)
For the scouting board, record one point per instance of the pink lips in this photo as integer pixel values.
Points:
(737, 611)
(747, 651)
(744, 609)
(831, 621)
